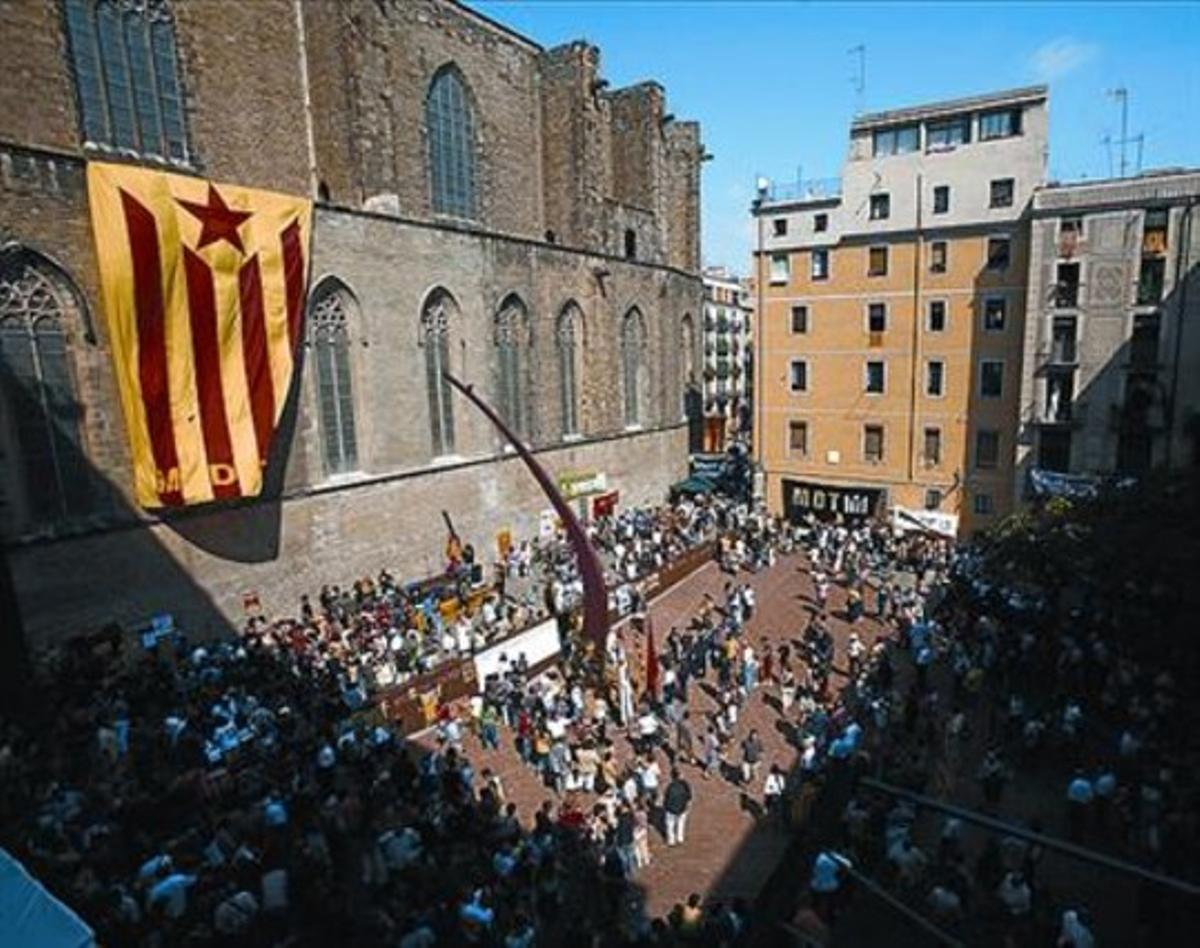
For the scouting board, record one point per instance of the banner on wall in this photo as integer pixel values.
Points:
(203, 288)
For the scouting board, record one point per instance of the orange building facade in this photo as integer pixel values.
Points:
(892, 317)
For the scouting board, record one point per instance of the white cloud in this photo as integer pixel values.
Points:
(1061, 56)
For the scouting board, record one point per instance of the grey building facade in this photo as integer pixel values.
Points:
(1111, 371)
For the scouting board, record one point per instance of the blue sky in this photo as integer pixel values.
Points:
(771, 81)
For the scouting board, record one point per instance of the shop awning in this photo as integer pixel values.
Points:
(694, 485)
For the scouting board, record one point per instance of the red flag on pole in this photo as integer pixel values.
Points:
(651, 661)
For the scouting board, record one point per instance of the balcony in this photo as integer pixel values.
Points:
(1066, 295)
(1150, 281)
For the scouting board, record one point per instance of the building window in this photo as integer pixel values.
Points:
(932, 447)
(35, 382)
(799, 319)
(877, 261)
(876, 317)
(799, 375)
(1143, 341)
(1000, 193)
(798, 437)
(1054, 449)
(127, 75)
(933, 498)
(329, 336)
(1150, 281)
(436, 317)
(943, 136)
(820, 264)
(820, 223)
(995, 313)
(876, 378)
(896, 141)
(937, 316)
(630, 243)
(1154, 231)
(983, 504)
(779, 227)
(1066, 287)
(450, 127)
(873, 444)
(941, 199)
(987, 449)
(781, 269)
(1001, 124)
(881, 207)
(937, 256)
(1062, 340)
(999, 253)
(935, 378)
(1071, 226)
(568, 362)
(633, 344)
(511, 327)
(991, 378)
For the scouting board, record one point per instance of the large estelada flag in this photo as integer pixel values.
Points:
(204, 288)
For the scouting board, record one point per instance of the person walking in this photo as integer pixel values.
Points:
(676, 802)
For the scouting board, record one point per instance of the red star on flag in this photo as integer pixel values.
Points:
(217, 221)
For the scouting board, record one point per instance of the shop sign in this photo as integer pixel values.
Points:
(582, 484)
(803, 497)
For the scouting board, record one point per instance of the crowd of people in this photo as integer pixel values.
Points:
(244, 792)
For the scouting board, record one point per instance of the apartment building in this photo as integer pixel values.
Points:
(1110, 381)
(891, 316)
(727, 359)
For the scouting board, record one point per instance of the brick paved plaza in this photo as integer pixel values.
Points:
(729, 852)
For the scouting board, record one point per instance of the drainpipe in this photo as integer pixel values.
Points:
(306, 94)
(1182, 262)
(916, 342)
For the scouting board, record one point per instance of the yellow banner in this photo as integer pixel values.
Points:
(204, 288)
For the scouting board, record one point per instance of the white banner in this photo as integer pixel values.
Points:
(537, 643)
(906, 518)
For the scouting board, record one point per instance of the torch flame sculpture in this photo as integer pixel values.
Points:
(595, 596)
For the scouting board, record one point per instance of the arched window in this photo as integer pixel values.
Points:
(569, 332)
(41, 416)
(435, 338)
(127, 75)
(329, 336)
(450, 127)
(512, 340)
(633, 342)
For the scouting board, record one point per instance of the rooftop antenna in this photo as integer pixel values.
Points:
(860, 79)
(1121, 94)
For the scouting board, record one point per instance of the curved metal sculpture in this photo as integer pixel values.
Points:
(595, 596)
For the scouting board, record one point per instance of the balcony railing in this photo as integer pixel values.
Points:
(806, 189)
(1066, 295)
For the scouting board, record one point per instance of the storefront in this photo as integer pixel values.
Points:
(830, 501)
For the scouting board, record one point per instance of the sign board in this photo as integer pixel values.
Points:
(905, 519)
(801, 498)
(606, 504)
(711, 466)
(582, 484)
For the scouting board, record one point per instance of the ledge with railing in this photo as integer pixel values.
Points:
(804, 189)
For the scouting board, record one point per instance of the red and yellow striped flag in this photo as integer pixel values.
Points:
(204, 289)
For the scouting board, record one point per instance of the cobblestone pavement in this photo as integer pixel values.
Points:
(730, 849)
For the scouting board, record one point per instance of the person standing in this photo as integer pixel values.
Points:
(676, 802)
(752, 751)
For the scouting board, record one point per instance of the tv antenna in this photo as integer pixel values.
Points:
(860, 78)
(1121, 94)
